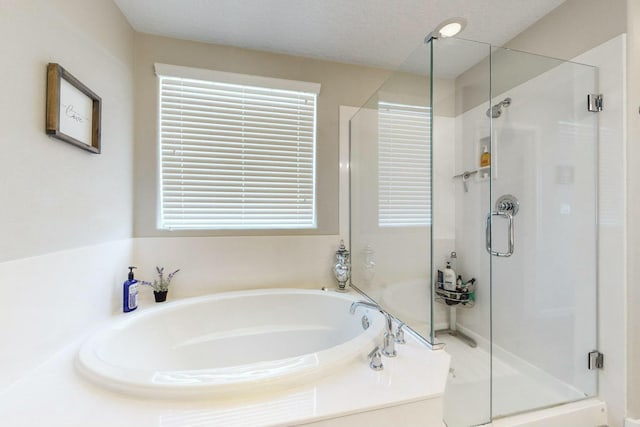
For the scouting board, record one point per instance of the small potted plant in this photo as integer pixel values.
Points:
(161, 284)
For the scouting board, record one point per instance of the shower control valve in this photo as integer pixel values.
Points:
(508, 203)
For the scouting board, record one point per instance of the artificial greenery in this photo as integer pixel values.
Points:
(161, 284)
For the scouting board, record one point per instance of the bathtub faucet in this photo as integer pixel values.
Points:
(389, 346)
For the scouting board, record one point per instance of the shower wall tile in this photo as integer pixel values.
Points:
(443, 183)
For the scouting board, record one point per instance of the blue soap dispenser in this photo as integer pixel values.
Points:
(130, 293)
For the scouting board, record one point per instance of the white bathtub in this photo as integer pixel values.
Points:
(228, 344)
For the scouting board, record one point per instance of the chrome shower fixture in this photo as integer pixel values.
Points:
(496, 111)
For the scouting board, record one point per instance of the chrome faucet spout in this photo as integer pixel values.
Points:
(388, 348)
(357, 304)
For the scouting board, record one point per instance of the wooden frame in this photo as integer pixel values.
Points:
(73, 110)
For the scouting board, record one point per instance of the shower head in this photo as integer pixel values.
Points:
(496, 111)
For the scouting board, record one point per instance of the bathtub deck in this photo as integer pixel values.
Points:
(55, 395)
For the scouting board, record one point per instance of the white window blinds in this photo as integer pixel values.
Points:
(404, 165)
(232, 155)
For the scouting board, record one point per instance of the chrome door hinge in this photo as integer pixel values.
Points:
(594, 102)
(596, 360)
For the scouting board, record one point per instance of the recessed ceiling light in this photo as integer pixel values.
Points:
(448, 28)
(451, 29)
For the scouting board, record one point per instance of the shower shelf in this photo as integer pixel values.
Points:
(481, 174)
(467, 174)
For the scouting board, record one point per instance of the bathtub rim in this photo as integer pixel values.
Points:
(332, 359)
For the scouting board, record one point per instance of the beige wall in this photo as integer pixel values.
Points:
(505, 70)
(341, 85)
(54, 195)
(566, 32)
(633, 209)
(573, 28)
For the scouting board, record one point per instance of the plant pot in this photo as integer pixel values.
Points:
(160, 296)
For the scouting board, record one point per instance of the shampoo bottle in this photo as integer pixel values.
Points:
(485, 157)
(130, 293)
(449, 278)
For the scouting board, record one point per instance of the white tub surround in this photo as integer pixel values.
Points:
(54, 299)
(407, 392)
(230, 344)
(628, 422)
(219, 264)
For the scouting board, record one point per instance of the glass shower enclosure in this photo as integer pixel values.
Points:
(483, 160)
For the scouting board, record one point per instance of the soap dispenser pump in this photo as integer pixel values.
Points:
(130, 293)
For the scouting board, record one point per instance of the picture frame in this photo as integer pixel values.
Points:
(73, 110)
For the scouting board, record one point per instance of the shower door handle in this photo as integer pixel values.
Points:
(509, 217)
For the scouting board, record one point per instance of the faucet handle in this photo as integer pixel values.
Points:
(375, 359)
(389, 347)
(400, 334)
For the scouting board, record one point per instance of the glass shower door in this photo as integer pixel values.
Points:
(491, 154)
(541, 231)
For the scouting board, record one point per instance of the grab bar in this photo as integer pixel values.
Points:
(509, 217)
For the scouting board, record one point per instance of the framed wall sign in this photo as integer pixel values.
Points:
(73, 110)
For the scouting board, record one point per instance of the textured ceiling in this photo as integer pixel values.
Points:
(369, 32)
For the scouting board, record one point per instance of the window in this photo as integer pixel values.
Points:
(404, 165)
(236, 151)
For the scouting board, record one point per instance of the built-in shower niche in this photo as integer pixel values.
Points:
(543, 152)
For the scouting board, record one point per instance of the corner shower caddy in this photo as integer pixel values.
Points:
(451, 298)
(455, 299)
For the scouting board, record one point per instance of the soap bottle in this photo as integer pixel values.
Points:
(485, 157)
(130, 293)
(449, 278)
